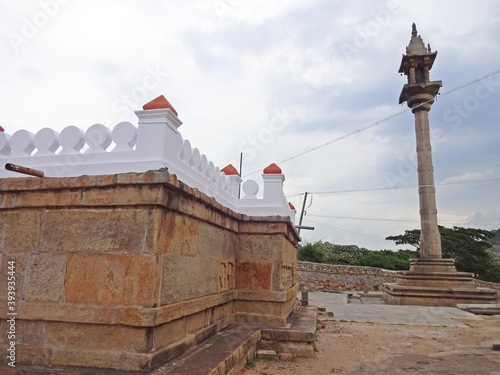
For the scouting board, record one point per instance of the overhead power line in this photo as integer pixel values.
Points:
(361, 218)
(346, 231)
(415, 220)
(379, 122)
(484, 180)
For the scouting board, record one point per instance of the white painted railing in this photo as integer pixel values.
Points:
(156, 143)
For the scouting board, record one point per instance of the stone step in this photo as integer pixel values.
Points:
(297, 339)
(395, 294)
(225, 353)
(228, 351)
(480, 309)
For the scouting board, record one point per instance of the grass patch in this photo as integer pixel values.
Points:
(250, 363)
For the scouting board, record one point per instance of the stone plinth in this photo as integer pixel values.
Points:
(129, 271)
(435, 282)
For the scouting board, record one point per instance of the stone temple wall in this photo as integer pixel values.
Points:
(128, 271)
(338, 278)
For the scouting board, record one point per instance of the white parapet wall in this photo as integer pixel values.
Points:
(155, 143)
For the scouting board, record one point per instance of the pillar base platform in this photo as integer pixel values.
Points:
(435, 282)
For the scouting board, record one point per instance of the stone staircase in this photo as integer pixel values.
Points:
(225, 353)
(228, 351)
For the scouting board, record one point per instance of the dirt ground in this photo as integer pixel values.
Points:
(380, 349)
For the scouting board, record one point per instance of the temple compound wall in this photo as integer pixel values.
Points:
(342, 278)
(127, 271)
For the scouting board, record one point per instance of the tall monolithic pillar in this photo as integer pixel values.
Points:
(419, 95)
(431, 280)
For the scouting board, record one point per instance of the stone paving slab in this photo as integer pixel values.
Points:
(390, 314)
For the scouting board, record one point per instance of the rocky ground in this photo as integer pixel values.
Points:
(393, 349)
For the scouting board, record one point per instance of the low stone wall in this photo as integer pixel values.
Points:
(338, 278)
(487, 284)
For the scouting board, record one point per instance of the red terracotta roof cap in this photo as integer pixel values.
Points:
(272, 169)
(230, 170)
(1, 129)
(159, 103)
(292, 207)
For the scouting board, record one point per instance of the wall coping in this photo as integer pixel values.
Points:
(11, 188)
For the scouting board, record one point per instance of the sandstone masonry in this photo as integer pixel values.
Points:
(128, 271)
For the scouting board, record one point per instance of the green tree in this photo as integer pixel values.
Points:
(388, 259)
(310, 253)
(468, 246)
(342, 254)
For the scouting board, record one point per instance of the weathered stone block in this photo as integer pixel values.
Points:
(180, 235)
(33, 355)
(8, 370)
(156, 231)
(253, 275)
(20, 231)
(197, 321)
(72, 336)
(46, 275)
(31, 333)
(86, 358)
(187, 277)
(260, 307)
(217, 313)
(8, 200)
(262, 248)
(136, 362)
(70, 312)
(94, 230)
(20, 260)
(169, 332)
(48, 198)
(217, 242)
(123, 195)
(119, 279)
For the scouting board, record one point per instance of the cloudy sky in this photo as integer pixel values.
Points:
(311, 85)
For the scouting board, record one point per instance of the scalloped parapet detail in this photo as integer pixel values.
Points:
(159, 103)
(154, 144)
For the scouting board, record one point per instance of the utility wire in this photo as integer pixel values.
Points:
(346, 231)
(416, 220)
(485, 180)
(361, 218)
(380, 121)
